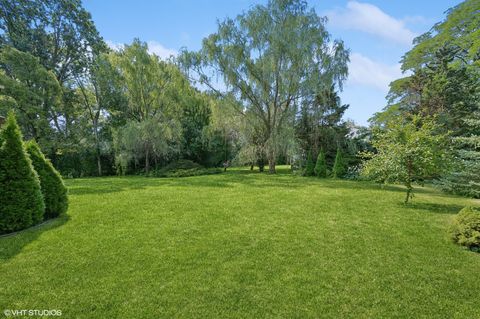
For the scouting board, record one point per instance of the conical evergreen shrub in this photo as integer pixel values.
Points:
(21, 200)
(339, 167)
(53, 190)
(321, 165)
(309, 167)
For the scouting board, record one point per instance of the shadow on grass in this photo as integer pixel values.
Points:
(12, 244)
(434, 207)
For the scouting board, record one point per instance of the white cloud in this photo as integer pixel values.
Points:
(114, 45)
(154, 47)
(364, 71)
(368, 18)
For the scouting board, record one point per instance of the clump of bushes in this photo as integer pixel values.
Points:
(184, 168)
(465, 229)
(24, 192)
(51, 183)
(320, 169)
(21, 199)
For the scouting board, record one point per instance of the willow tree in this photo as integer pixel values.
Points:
(270, 58)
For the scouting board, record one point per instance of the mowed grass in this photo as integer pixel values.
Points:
(243, 245)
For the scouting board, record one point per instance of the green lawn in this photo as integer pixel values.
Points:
(243, 245)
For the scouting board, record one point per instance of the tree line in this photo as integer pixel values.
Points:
(98, 111)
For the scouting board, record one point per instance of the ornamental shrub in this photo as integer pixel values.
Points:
(51, 183)
(465, 229)
(321, 165)
(21, 200)
(309, 167)
(339, 167)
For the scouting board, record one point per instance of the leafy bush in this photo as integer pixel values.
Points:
(53, 190)
(21, 200)
(321, 165)
(465, 229)
(339, 167)
(309, 166)
(184, 168)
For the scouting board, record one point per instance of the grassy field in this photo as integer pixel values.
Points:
(243, 245)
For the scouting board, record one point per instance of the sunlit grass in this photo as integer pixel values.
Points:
(243, 245)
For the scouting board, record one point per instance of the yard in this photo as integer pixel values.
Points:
(243, 245)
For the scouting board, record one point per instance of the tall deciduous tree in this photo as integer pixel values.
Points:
(151, 87)
(30, 89)
(271, 58)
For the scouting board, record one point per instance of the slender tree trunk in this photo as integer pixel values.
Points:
(408, 182)
(147, 162)
(271, 162)
(97, 146)
(251, 166)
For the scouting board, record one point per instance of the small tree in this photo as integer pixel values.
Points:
(53, 190)
(408, 151)
(321, 165)
(309, 167)
(339, 168)
(20, 195)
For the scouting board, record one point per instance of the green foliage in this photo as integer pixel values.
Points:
(271, 57)
(464, 179)
(321, 165)
(309, 166)
(459, 29)
(51, 183)
(339, 167)
(465, 229)
(21, 199)
(184, 168)
(31, 90)
(408, 151)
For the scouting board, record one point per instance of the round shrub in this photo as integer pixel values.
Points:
(465, 229)
(53, 190)
(21, 201)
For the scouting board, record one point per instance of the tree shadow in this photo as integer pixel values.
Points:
(13, 243)
(434, 207)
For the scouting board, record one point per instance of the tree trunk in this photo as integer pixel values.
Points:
(409, 193)
(251, 166)
(271, 162)
(147, 162)
(99, 164)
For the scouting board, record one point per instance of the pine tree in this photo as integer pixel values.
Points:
(53, 190)
(465, 178)
(339, 169)
(309, 167)
(321, 166)
(20, 195)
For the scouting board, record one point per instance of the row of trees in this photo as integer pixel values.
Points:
(97, 111)
(431, 126)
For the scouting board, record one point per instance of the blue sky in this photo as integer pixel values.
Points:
(378, 33)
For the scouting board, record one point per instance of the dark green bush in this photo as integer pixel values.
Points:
(465, 229)
(183, 168)
(339, 167)
(53, 190)
(21, 200)
(309, 166)
(321, 165)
